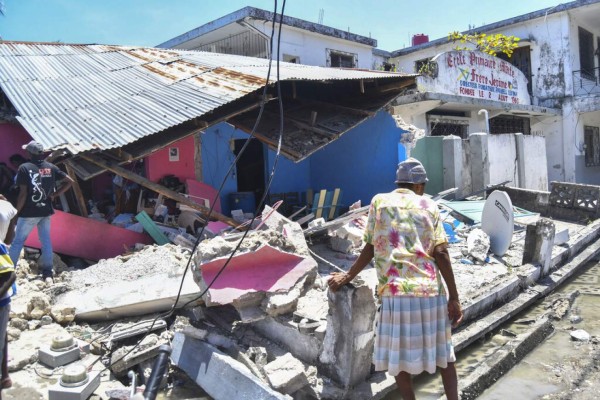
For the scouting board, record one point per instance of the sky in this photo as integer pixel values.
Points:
(151, 22)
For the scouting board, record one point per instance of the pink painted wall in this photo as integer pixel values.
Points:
(159, 165)
(13, 136)
(87, 238)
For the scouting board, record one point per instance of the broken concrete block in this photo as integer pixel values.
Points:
(340, 244)
(286, 302)
(290, 229)
(38, 306)
(348, 345)
(478, 244)
(286, 374)
(63, 315)
(13, 333)
(316, 222)
(258, 355)
(261, 268)
(539, 241)
(18, 323)
(353, 230)
(222, 377)
(305, 347)
(580, 335)
(33, 324)
(121, 361)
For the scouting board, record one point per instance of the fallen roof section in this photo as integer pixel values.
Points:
(84, 98)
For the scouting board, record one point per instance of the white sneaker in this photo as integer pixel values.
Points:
(49, 281)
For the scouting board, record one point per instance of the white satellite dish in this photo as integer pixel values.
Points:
(497, 220)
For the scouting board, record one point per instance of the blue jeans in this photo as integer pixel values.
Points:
(24, 228)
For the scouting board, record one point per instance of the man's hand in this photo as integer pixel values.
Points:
(337, 280)
(455, 312)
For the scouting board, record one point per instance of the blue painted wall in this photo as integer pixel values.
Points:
(362, 162)
(217, 157)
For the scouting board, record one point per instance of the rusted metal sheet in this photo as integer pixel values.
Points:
(98, 97)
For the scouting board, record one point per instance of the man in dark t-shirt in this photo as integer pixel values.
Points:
(37, 181)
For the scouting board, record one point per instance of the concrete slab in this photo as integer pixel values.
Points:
(222, 377)
(266, 269)
(141, 283)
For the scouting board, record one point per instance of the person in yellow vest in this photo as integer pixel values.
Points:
(7, 278)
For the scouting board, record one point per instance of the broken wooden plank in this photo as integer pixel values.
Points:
(158, 188)
(77, 190)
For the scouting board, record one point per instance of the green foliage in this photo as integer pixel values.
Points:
(490, 44)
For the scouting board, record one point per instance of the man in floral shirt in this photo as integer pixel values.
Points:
(405, 237)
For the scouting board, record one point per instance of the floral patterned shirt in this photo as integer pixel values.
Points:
(404, 228)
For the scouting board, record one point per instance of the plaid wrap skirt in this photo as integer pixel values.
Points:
(413, 335)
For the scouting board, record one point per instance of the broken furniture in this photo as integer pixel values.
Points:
(325, 204)
(150, 227)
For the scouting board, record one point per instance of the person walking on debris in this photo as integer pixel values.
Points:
(37, 181)
(405, 236)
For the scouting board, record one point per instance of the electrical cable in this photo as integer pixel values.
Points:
(262, 200)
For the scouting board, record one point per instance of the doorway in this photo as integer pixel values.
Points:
(250, 168)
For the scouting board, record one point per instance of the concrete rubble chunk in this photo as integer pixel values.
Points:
(478, 244)
(580, 335)
(284, 303)
(221, 376)
(63, 314)
(136, 284)
(236, 278)
(340, 244)
(348, 344)
(122, 360)
(286, 374)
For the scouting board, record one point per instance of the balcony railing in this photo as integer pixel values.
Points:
(586, 81)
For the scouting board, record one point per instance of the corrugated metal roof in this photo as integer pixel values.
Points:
(84, 97)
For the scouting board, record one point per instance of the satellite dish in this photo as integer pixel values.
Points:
(497, 220)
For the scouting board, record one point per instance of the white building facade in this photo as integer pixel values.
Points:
(559, 55)
(247, 32)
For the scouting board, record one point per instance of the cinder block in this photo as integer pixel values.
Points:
(83, 392)
(286, 374)
(54, 359)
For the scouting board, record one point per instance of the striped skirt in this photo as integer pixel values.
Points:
(413, 335)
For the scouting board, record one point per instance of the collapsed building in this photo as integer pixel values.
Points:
(262, 316)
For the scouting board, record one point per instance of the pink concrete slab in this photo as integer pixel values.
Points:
(216, 227)
(198, 190)
(267, 270)
(87, 238)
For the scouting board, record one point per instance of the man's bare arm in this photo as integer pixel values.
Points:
(21, 198)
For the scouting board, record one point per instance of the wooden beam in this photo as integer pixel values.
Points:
(396, 85)
(158, 189)
(77, 190)
(312, 103)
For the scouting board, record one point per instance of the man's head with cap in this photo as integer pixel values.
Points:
(411, 172)
(35, 149)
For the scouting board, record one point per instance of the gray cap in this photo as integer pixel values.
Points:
(411, 171)
(33, 147)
